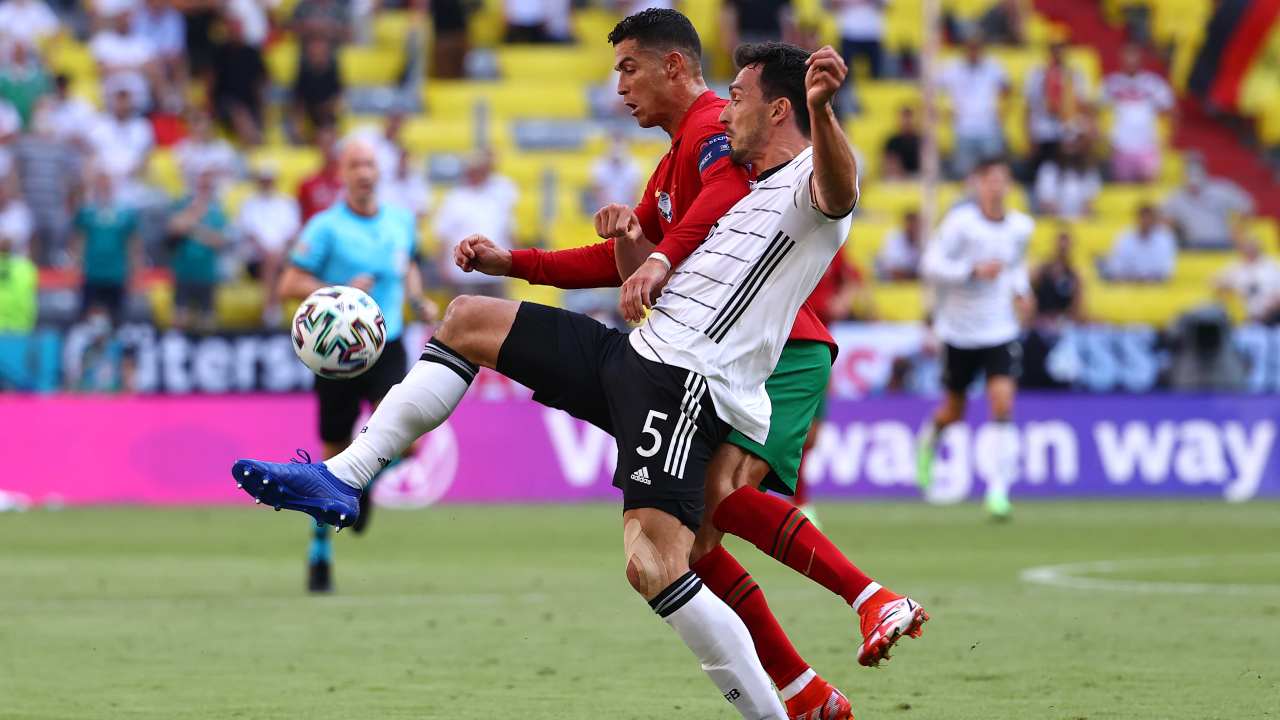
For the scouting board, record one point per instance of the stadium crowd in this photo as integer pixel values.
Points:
(158, 157)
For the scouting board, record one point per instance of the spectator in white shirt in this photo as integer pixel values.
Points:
(483, 204)
(861, 25)
(268, 222)
(407, 187)
(899, 257)
(126, 60)
(1054, 93)
(69, 117)
(1066, 186)
(29, 21)
(1255, 279)
(121, 142)
(16, 223)
(975, 85)
(615, 177)
(1146, 253)
(1137, 99)
(202, 151)
(527, 21)
(1203, 210)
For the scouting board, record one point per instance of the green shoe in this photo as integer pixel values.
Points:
(998, 505)
(924, 466)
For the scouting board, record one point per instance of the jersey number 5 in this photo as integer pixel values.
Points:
(652, 432)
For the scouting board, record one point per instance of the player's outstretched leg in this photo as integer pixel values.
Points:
(1000, 392)
(806, 694)
(951, 410)
(471, 335)
(657, 547)
(779, 529)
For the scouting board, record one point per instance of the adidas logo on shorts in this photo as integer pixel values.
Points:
(641, 476)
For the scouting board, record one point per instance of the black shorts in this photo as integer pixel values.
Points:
(960, 366)
(103, 296)
(197, 297)
(340, 399)
(661, 416)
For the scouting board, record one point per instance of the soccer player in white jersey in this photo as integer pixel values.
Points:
(668, 391)
(977, 264)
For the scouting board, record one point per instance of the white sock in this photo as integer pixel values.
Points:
(929, 434)
(722, 644)
(794, 687)
(415, 406)
(1006, 464)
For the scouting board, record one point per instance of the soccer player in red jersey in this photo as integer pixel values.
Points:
(694, 185)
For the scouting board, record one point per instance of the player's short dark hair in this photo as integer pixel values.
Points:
(660, 29)
(782, 71)
(987, 162)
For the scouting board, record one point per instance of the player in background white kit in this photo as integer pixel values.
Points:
(977, 264)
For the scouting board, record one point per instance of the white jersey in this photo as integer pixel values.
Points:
(728, 308)
(968, 312)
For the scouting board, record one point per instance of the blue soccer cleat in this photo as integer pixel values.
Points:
(300, 485)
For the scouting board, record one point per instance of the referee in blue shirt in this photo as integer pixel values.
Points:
(363, 244)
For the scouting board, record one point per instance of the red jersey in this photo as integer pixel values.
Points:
(838, 275)
(318, 192)
(694, 185)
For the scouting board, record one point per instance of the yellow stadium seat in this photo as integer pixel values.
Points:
(1157, 304)
(571, 170)
(1200, 268)
(164, 172)
(506, 100)
(1267, 231)
(522, 291)
(899, 302)
(294, 164)
(281, 59)
(238, 305)
(426, 134)
(865, 241)
(391, 27)
(585, 63)
(591, 26)
(160, 301)
(373, 65)
(1120, 202)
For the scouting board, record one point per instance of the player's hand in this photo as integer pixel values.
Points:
(988, 269)
(824, 77)
(477, 253)
(642, 289)
(618, 221)
(362, 282)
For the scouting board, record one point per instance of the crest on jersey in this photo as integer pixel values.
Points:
(664, 206)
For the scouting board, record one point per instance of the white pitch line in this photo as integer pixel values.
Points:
(1069, 576)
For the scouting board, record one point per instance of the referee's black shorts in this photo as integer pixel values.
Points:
(661, 416)
(340, 399)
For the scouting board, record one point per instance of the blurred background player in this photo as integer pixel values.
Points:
(977, 265)
(364, 244)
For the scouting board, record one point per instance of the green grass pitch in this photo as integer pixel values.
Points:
(505, 612)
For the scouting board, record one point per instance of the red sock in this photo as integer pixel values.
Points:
(779, 529)
(733, 584)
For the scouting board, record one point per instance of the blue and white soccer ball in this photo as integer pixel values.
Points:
(339, 332)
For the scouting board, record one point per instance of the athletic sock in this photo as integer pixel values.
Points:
(726, 577)
(321, 550)
(1005, 469)
(928, 435)
(721, 643)
(415, 406)
(801, 496)
(779, 529)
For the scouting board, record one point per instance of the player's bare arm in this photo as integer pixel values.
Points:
(835, 170)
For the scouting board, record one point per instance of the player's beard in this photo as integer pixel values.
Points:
(742, 143)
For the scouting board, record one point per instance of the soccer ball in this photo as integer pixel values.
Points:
(339, 332)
